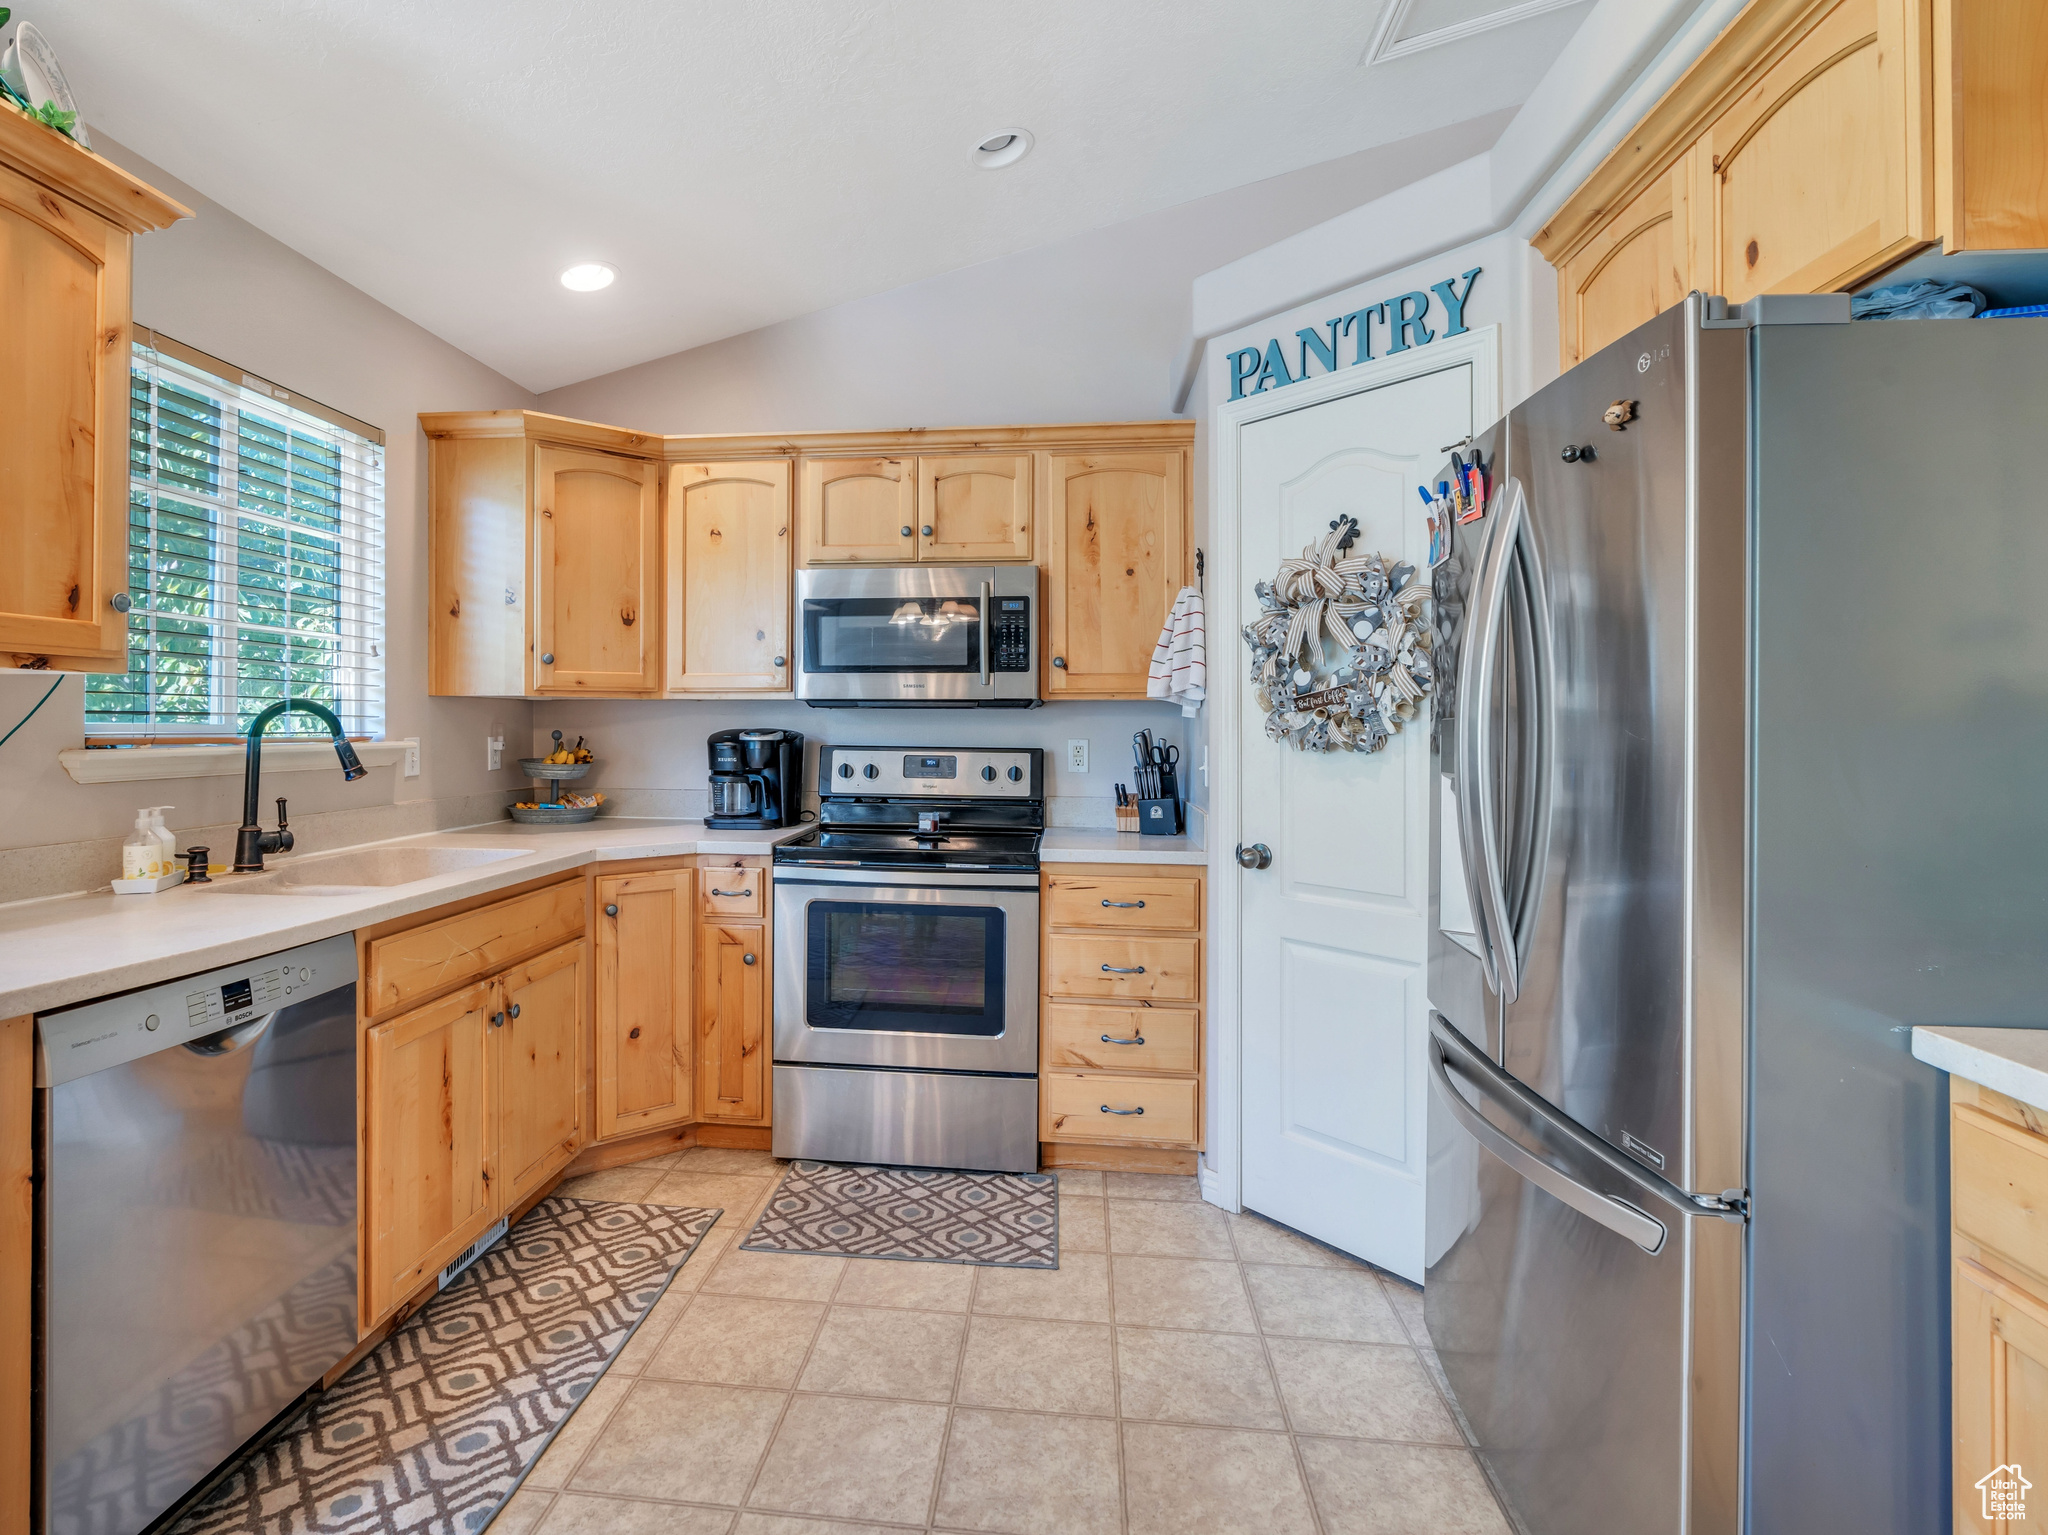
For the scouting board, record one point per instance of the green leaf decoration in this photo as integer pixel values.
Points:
(5, 12)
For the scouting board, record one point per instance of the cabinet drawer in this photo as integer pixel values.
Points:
(732, 892)
(425, 960)
(1106, 1108)
(1123, 900)
(1080, 1038)
(1155, 969)
(2000, 1192)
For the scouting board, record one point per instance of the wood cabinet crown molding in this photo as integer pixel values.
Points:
(1764, 32)
(69, 167)
(538, 426)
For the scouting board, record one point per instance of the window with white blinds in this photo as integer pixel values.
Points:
(255, 555)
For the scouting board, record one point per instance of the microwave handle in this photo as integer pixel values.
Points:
(987, 599)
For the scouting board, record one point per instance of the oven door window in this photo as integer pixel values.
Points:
(884, 968)
(892, 634)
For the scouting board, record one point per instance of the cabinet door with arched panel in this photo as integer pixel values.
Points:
(858, 510)
(1630, 272)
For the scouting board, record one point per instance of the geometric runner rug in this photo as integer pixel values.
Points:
(1005, 1220)
(435, 1428)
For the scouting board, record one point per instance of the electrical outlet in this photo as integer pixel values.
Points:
(412, 756)
(494, 752)
(1077, 756)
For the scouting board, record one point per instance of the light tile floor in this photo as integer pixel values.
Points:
(1183, 1370)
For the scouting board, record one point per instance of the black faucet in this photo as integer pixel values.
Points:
(252, 841)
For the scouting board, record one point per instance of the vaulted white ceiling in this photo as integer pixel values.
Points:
(740, 161)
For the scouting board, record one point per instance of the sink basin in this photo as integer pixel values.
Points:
(375, 868)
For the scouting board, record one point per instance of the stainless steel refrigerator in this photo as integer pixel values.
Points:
(1740, 751)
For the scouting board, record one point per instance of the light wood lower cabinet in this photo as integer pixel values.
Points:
(1120, 1020)
(427, 1132)
(1998, 1166)
(732, 1021)
(539, 1055)
(643, 925)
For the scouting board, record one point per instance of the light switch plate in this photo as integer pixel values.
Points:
(1077, 756)
(412, 756)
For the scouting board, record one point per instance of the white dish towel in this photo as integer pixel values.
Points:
(1180, 661)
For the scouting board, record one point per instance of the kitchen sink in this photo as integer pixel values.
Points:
(374, 868)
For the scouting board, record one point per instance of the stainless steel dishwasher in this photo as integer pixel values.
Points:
(196, 1226)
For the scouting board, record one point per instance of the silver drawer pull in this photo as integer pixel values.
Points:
(1121, 970)
(1108, 1110)
(1135, 1039)
(730, 893)
(1138, 905)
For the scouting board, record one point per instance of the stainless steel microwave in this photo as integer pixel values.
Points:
(897, 636)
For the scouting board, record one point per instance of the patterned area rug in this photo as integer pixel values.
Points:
(1005, 1220)
(429, 1434)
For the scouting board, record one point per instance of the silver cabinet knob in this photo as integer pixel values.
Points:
(611, 911)
(515, 1009)
(927, 530)
(548, 659)
(1060, 662)
(746, 959)
(1257, 856)
(119, 602)
(906, 532)
(496, 1019)
(782, 660)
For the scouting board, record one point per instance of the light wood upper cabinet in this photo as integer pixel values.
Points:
(1812, 148)
(596, 572)
(426, 1138)
(1115, 557)
(1630, 272)
(732, 1021)
(538, 1056)
(1802, 184)
(855, 510)
(67, 222)
(729, 558)
(974, 508)
(644, 1037)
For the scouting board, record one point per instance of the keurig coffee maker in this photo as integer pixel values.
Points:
(757, 777)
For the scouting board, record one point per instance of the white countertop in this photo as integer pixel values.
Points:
(1074, 845)
(75, 948)
(2009, 1061)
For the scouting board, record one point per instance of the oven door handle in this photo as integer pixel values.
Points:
(988, 590)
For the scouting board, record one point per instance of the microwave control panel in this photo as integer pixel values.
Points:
(1010, 635)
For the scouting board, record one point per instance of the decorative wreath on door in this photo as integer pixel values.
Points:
(1356, 694)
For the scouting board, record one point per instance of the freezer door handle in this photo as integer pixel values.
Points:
(1616, 1215)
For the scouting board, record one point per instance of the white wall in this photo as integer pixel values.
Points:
(219, 284)
(1085, 329)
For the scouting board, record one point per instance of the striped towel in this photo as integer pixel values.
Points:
(1180, 661)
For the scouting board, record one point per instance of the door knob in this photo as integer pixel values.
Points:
(1257, 856)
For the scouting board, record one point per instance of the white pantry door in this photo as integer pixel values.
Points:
(1335, 932)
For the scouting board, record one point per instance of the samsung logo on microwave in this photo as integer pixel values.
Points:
(1403, 320)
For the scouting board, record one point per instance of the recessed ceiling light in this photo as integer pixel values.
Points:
(588, 277)
(1005, 148)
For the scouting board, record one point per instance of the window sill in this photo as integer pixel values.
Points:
(141, 764)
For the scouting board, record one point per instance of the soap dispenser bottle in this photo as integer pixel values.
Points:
(167, 861)
(141, 855)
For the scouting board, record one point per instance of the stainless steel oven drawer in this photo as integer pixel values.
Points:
(907, 1118)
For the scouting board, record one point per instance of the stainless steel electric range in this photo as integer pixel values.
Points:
(906, 961)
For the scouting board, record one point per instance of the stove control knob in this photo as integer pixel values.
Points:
(846, 770)
(989, 774)
(872, 771)
(1016, 775)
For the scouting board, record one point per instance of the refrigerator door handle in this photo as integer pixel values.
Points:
(1478, 813)
(1616, 1215)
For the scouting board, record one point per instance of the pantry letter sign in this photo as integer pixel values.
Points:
(1404, 322)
